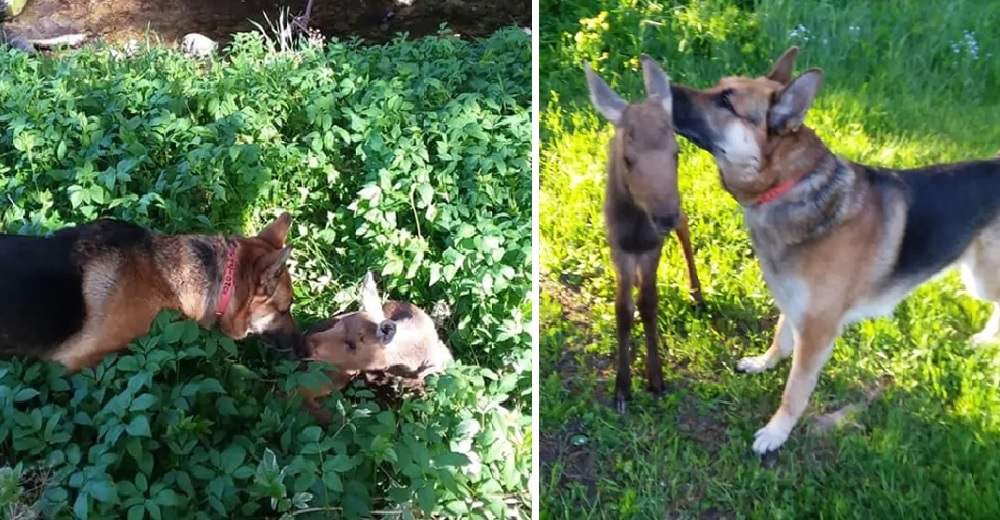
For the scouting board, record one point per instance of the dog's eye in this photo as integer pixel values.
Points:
(724, 101)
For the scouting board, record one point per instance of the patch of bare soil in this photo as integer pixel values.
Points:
(375, 21)
(576, 461)
(699, 425)
(556, 444)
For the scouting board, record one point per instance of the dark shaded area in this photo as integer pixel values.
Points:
(375, 21)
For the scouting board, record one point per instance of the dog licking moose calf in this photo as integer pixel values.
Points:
(88, 291)
(837, 241)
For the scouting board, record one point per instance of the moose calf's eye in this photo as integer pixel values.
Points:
(352, 345)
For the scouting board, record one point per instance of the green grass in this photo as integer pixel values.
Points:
(896, 93)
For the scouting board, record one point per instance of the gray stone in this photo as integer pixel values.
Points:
(22, 45)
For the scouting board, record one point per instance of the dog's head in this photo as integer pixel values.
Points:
(752, 126)
(642, 157)
(262, 296)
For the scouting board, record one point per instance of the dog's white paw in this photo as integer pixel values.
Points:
(768, 439)
(753, 365)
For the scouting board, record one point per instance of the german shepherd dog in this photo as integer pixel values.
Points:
(90, 290)
(837, 241)
(642, 205)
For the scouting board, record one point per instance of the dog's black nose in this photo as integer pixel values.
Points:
(285, 342)
(666, 223)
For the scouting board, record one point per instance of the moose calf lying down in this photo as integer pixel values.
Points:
(395, 337)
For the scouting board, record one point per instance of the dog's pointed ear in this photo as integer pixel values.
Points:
(605, 100)
(657, 82)
(781, 71)
(274, 264)
(788, 110)
(276, 232)
(371, 303)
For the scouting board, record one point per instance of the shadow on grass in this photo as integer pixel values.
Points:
(866, 446)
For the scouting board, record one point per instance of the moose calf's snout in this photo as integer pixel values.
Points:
(666, 223)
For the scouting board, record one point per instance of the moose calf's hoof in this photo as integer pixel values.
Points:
(621, 405)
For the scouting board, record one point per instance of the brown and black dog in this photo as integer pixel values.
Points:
(88, 291)
(393, 337)
(837, 241)
(642, 205)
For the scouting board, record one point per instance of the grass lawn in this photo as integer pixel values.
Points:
(907, 83)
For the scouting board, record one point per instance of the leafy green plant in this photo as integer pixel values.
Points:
(410, 158)
(905, 84)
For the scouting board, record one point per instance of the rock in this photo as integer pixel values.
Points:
(22, 45)
(131, 48)
(198, 45)
(11, 8)
(47, 30)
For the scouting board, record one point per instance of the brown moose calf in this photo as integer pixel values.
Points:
(395, 337)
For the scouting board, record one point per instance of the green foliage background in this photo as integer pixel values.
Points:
(411, 159)
(906, 83)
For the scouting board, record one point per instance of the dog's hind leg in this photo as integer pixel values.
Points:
(981, 276)
(813, 347)
(625, 274)
(992, 328)
(648, 303)
(781, 347)
(684, 237)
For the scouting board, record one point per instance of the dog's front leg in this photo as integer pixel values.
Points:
(781, 348)
(813, 345)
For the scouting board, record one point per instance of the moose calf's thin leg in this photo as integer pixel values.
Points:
(624, 310)
(684, 237)
(648, 303)
(813, 347)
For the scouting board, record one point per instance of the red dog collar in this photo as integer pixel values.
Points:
(228, 281)
(776, 192)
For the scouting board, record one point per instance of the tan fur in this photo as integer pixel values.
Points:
(124, 290)
(828, 248)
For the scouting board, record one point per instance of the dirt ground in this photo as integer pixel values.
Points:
(375, 21)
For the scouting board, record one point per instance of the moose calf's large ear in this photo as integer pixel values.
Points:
(657, 82)
(788, 111)
(782, 69)
(371, 303)
(276, 232)
(605, 100)
(386, 331)
(275, 264)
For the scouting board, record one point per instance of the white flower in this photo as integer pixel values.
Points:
(799, 31)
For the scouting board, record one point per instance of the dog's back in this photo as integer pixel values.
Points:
(948, 206)
(41, 281)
